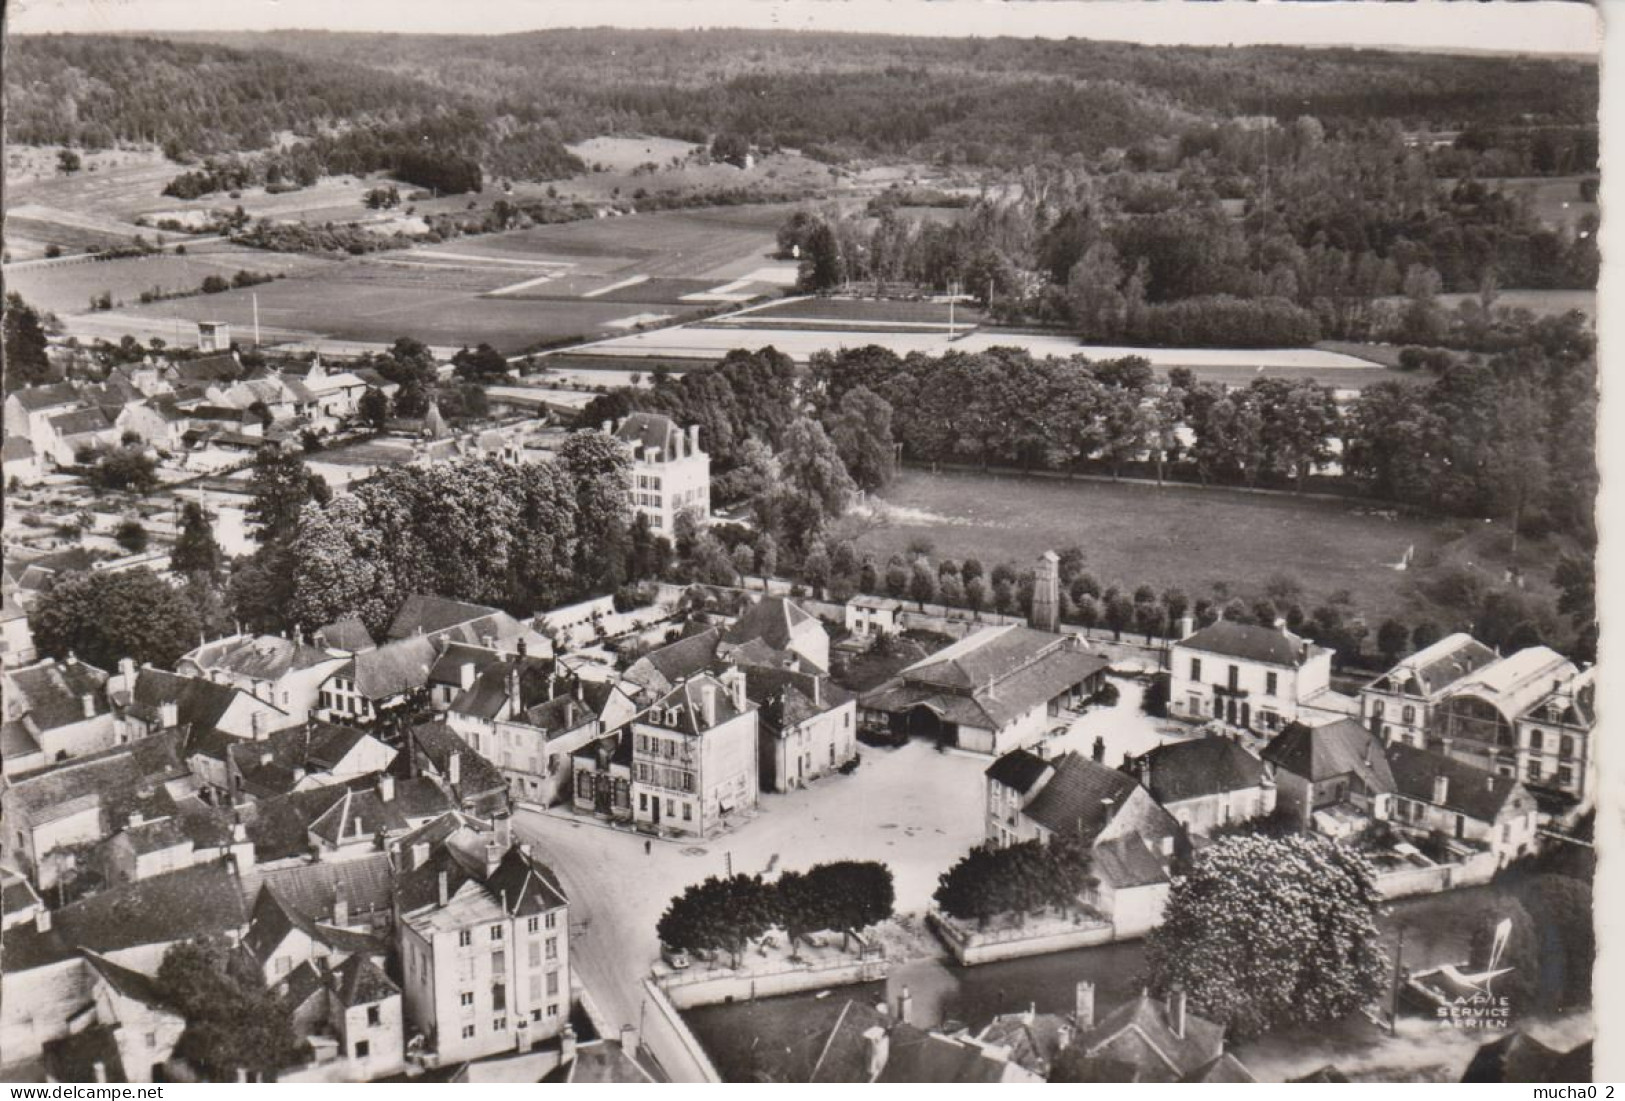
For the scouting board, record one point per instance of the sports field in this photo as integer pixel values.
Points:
(1182, 536)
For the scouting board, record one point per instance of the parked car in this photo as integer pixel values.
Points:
(675, 958)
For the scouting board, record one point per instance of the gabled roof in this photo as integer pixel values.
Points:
(605, 1061)
(1140, 1032)
(773, 620)
(1175, 771)
(330, 743)
(79, 422)
(683, 708)
(1127, 862)
(55, 692)
(1434, 668)
(423, 614)
(199, 703)
(297, 987)
(1339, 748)
(117, 781)
(348, 634)
(1017, 769)
(1574, 704)
(1226, 1068)
(16, 449)
(686, 657)
(479, 777)
(492, 687)
(280, 826)
(1033, 1039)
(1083, 797)
(161, 909)
(1519, 1057)
(36, 398)
(393, 668)
(274, 918)
(16, 893)
(216, 367)
(359, 981)
(363, 882)
(448, 667)
(1267, 645)
(1474, 792)
(524, 884)
(125, 982)
(152, 837)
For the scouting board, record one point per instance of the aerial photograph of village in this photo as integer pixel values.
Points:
(743, 554)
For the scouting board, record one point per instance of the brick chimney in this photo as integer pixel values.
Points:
(386, 787)
(454, 768)
(444, 889)
(1441, 789)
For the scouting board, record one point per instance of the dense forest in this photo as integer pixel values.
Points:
(354, 97)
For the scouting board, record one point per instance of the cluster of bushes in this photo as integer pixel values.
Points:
(1017, 879)
(212, 284)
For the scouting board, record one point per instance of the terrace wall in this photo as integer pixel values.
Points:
(971, 947)
(1406, 882)
(688, 989)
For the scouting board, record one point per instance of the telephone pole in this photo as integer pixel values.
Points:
(1399, 956)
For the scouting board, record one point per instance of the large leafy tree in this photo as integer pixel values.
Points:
(232, 1021)
(281, 486)
(196, 550)
(1015, 879)
(861, 431)
(1263, 932)
(719, 914)
(601, 472)
(102, 617)
(27, 363)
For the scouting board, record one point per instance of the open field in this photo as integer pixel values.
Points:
(1556, 198)
(1540, 302)
(67, 287)
(860, 310)
(1183, 536)
(623, 154)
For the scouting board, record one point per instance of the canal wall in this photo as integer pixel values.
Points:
(970, 948)
(667, 1012)
(1407, 882)
(692, 989)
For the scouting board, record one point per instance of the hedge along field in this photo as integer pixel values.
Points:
(1184, 536)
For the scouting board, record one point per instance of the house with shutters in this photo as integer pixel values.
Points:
(807, 726)
(1398, 706)
(29, 409)
(1131, 838)
(1332, 778)
(1445, 797)
(528, 721)
(670, 474)
(483, 937)
(695, 757)
(1555, 745)
(1252, 677)
(1481, 719)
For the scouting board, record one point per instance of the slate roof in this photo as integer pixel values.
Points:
(1226, 1068)
(1138, 1031)
(393, 668)
(1017, 769)
(299, 985)
(346, 634)
(216, 367)
(648, 430)
(560, 715)
(916, 1055)
(525, 884)
(152, 837)
(1434, 668)
(330, 743)
(15, 449)
(1175, 771)
(278, 826)
(1082, 798)
(489, 695)
(265, 657)
(16, 893)
(1339, 748)
(16, 742)
(273, 918)
(1267, 645)
(55, 691)
(199, 703)
(688, 701)
(359, 981)
(1574, 704)
(422, 614)
(1033, 1039)
(1474, 792)
(448, 667)
(990, 678)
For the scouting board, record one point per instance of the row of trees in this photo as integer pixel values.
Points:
(725, 914)
(1016, 879)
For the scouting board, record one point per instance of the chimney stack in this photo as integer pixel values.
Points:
(444, 887)
(493, 856)
(454, 768)
(341, 909)
(608, 427)
(169, 715)
(905, 1006)
(1187, 626)
(89, 701)
(465, 675)
(878, 1047)
(1176, 1013)
(99, 1068)
(126, 672)
(708, 704)
(42, 919)
(386, 787)
(257, 725)
(629, 1039)
(135, 818)
(1083, 1006)
(1441, 789)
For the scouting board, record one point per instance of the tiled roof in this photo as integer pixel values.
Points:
(1140, 1031)
(1017, 769)
(491, 690)
(524, 884)
(1268, 645)
(152, 837)
(1081, 798)
(128, 983)
(359, 981)
(55, 692)
(422, 614)
(16, 742)
(1127, 862)
(683, 708)
(1519, 1057)
(266, 657)
(990, 678)
(16, 448)
(604, 1061)
(330, 743)
(773, 620)
(314, 889)
(79, 422)
(274, 918)
(1339, 748)
(35, 398)
(648, 430)
(1175, 771)
(297, 987)
(16, 893)
(199, 703)
(120, 780)
(916, 1055)
(346, 634)
(1226, 1068)
(217, 367)
(686, 657)
(279, 826)
(1475, 792)
(192, 902)
(393, 668)
(1434, 668)
(479, 778)
(448, 667)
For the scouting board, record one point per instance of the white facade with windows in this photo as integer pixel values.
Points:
(670, 474)
(1258, 678)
